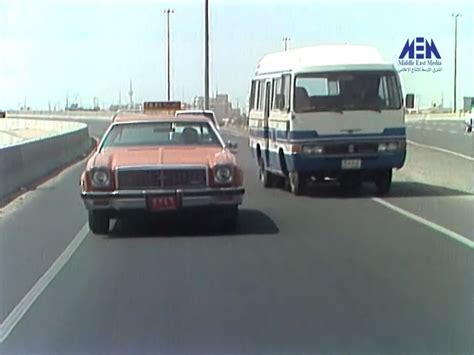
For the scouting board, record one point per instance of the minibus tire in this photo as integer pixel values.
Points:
(296, 183)
(265, 177)
(383, 181)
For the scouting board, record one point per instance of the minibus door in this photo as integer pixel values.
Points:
(266, 114)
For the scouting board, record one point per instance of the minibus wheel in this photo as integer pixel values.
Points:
(265, 177)
(296, 183)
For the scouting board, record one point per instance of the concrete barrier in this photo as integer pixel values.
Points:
(66, 115)
(25, 163)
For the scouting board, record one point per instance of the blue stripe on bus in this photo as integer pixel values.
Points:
(283, 135)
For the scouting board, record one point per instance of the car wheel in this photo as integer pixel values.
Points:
(383, 182)
(296, 183)
(99, 222)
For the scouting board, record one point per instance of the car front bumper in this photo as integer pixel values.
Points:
(137, 199)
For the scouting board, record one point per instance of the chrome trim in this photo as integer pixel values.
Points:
(131, 199)
(125, 193)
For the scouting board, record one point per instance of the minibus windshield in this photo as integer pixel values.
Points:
(345, 91)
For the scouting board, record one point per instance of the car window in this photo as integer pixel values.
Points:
(162, 133)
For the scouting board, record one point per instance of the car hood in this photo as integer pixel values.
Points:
(117, 157)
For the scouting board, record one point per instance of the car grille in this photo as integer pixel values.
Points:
(161, 178)
(351, 148)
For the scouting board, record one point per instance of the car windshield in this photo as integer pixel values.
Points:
(346, 91)
(161, 134)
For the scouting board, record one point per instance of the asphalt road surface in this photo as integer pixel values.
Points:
(323, 273)
(445, 134)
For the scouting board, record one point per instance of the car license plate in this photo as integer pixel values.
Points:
(162, 203)
(347, 164)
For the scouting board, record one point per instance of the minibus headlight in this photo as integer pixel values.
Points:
(312, 149)
(382, 147)
(392, 146)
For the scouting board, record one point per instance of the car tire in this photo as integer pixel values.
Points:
(383, 182)
(99, 222)
(295, 183)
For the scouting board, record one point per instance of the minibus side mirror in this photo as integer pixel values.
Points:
(410, 101)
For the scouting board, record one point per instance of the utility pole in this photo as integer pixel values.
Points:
(285, 41)
(130, 95)
(206, 54)
(455, 57)
(168, 12)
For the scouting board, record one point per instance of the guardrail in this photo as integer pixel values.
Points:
(86, 115)
(24, 163)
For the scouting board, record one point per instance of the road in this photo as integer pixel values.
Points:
(445, 134)
(311, 274)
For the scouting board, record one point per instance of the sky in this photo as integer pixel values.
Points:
(50, 49)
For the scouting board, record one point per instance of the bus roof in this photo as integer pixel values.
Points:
(323, 58)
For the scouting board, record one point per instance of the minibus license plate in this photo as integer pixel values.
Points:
(348, 164)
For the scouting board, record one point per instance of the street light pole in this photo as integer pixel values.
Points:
(206, 54)
(455, 57)
(168, 12)
(285, 41)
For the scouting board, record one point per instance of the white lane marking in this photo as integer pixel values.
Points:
(449, 233)
(453, 132)
(459, 155)
(27, 301)
(429, 128)
(440, 129)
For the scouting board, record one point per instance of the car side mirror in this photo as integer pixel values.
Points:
(410, 101)
(232, 146)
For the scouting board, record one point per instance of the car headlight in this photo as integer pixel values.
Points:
(312, 149)
(223, 174)
(100, 178)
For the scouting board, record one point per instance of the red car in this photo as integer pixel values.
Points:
(161, 163)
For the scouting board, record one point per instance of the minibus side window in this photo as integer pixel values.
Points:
(257, 95)
(276, 94)
(252, 95)
(261, 95)
(285, 90)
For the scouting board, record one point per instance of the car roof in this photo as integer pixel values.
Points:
(194, 112)
(142, 117)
